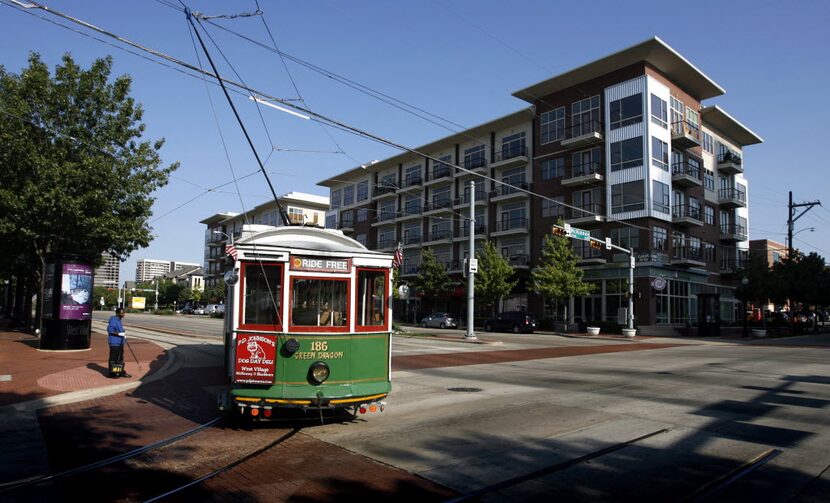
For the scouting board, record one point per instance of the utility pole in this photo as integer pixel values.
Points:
(792, 217)
(470, 261)
(157, 294)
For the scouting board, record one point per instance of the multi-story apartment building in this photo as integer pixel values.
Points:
(107, 274)
(621, 147)
(148, 269)
(222, 228)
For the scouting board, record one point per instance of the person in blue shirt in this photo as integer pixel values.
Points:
(117, 336)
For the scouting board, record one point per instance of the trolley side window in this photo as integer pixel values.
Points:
(262, 290)
(371, 299)
(320, 303)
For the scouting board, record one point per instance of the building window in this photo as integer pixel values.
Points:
(553, 168)
(586, 162)
(660, 238)
(693, 166)
(473, 157)
(361, 238)
(363, 191)
(709, 215)
(331, 221)
(709, 253)
(659, 111)
(552, 125)
(709, 179)
(412, 205)
(553, 207)
(676, 114)
(362, 214)
(627, 154)
(694, 207)
(348, 195)
(319, 303)
(626, 111)
(626, 237)
(660, 200)
(387, 210)
(585, 116)
(512, 179)
(371, 298)
(335, 198)
(513, 145)
(708, 143)
(347, 218)
(692, 119)
(412, 175)
(659, 153)
(627, 197)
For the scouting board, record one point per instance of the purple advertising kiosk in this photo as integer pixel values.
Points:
(67, 303)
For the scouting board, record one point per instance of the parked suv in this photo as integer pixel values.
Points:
(515, 321)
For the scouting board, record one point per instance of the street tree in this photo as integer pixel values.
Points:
(432, 280)
(494, 277)
(78, 175)
(557, 276)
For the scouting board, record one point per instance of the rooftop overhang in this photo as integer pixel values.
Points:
(218, 217)
(448, 142)
(654, 52)
(717, 118)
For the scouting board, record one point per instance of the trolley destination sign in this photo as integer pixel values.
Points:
(321, 264)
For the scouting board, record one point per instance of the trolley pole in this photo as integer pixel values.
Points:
(631, 264)
(471, 256)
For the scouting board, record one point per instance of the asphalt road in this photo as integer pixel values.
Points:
(487, 413)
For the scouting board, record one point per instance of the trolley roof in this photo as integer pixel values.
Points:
(305, 239)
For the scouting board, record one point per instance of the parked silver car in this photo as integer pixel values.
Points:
(439, 320)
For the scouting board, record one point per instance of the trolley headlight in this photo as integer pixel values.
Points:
(318, 372)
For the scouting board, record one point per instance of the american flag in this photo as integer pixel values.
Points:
(231, 250)
(398, 258)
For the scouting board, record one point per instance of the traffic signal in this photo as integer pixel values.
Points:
(558, 231)
(596, 245)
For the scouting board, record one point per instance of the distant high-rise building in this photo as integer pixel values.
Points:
(107, 274)
(148, 269)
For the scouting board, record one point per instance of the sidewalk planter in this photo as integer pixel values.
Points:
(593, 330)
(629, 332)
(759, 333)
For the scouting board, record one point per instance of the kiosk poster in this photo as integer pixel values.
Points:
(256, 357)
(48, 294)
(76, 292)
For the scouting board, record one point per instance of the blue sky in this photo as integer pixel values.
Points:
(458, 59)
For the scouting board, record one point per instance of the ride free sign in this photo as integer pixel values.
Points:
(256, 357)
(321, 264)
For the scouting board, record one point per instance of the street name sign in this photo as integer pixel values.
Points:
(582, 234)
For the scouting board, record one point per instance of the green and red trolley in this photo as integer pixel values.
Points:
(307, 322)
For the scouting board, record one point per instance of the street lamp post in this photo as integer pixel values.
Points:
(745, 282)
(230, 238)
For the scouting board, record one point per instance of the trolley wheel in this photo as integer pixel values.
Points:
(517, 329)
(488, 327)
(442, 325)
(423, 324)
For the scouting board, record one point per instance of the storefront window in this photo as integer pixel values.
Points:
(319, 303)
(371, 298)
(263, 293)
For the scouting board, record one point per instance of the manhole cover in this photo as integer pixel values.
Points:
(464, 390)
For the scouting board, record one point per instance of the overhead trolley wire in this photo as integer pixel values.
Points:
(314, 115)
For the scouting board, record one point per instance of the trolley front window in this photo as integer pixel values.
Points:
(320, 303)
(262, 290)
(371, 299)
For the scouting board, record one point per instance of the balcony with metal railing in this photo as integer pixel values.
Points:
(582, 174)
(439, 175)
(587, 213)
(514, 225)
(481, 199)
(685, 134)
(463, 232)
(685, 174)
(384, 218)
(510, 156)
(733, 232)
(510, 190)
(584, 133)
(383, 190)
(410, 269)
(687, 256)
(438, 236)
(730, 163)
(436, 206)
(385, 244)
(346, 225)
(585, 255)
(411, 239)
(686, 215)
(410, 211)
(732, 198)
(519, 260)
(732, 265)
(412, 180)
(476, 165)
